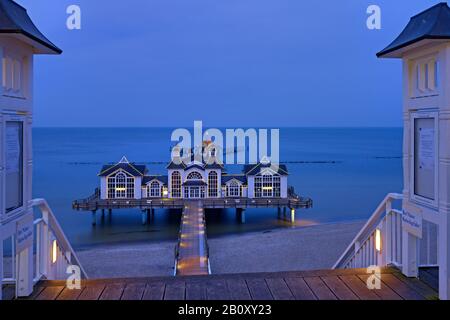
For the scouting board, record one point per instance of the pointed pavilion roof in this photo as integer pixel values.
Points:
(131, 168)
(432, 24)
(15, 20)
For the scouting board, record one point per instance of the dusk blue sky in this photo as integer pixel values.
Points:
(230, 63)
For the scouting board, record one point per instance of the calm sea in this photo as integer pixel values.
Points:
(347, 172)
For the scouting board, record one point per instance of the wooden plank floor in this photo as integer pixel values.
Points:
(348, 284)
(192, 254)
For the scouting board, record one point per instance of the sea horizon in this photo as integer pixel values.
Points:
(346, 171)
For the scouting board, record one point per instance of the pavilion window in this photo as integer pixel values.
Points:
(120, 186)
(176, 185)
(267, 185)
(258, 187)
(212, 184)
(111, 187)
(276, 186)
(130, 187)
(154, 189)
(234, 189)
(194, 176)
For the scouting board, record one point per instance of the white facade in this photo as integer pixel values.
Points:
(195, 180)
(426, 115)
(16, 103)
(16, 161)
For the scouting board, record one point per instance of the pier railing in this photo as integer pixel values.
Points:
(52, 250)
(95, 203)
(379, 242)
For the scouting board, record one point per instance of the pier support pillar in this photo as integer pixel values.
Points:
(144, 217)
(148, 212)
(292, 215)
(110, 212)
(240, 215)
(284, 211)
(103, 213)
(279, 212)
(94, 217)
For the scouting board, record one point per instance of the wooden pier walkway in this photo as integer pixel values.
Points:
(341, 284)
(191, 254)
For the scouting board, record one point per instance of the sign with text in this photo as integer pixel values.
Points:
(412, 223)
(24, 233)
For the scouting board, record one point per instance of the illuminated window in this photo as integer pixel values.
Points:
(176, 185)
(120, 186)
(276, 186)
(212, 184)
(267, 185)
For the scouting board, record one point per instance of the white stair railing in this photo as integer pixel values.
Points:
(379, 241)
(53, 252)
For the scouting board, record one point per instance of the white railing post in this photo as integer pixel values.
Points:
(409, 255)
(1, 268)
(24, 272)
(388, 239)
(44, 244)
(444, 256)
(38, 251)
(382, 255)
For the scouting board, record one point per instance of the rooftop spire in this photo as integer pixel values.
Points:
(124, 160)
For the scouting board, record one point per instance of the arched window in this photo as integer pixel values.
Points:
(277, 186)
(234, 189)
(267, 185)
(154, 189)
(120, 186)
(258, 186)
(212, 184)
(176, 185)
(194, 176)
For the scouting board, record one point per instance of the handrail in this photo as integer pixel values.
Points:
(369, 227)
(94, 202)
(50, 220)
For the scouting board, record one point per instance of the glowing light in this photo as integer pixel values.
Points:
(54, 251)
(165, 193)
(378, 240)
(121, 189)
(267, 188)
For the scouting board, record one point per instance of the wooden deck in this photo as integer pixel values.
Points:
(192, 249)
(348, 284)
